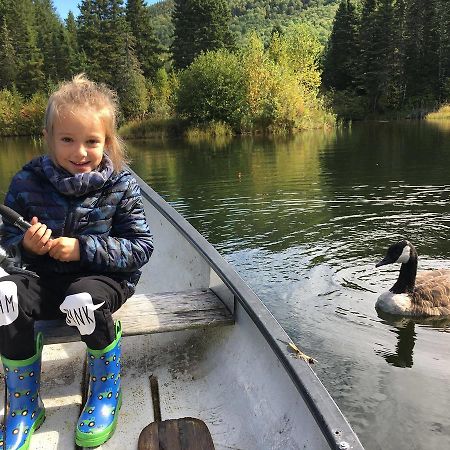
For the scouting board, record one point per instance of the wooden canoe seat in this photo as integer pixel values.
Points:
(153, 313)
(176, 434)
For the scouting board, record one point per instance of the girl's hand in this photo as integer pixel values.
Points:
(65, 249)
(37, 238)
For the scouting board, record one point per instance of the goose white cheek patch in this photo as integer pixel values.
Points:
(79, 310)
(9, 303)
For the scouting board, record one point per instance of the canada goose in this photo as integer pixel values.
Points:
(425, 293)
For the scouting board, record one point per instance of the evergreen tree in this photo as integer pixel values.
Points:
(430, 50)
(117, 36)
(72, 31)
(421, 51)
(8, 62)
(103, 33)
(65, 57)
(375, 41)
(385, 32)
(48, 30)
(90, 38)
(395, 89)
(200, 25)
(444, 50)
(130, 84)
(71, 35)
(147, 48)
(20, 19)
(342, 52)
(107, 46)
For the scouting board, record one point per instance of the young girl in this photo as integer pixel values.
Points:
(87, 241)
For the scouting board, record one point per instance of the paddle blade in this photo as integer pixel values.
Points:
(176, 434)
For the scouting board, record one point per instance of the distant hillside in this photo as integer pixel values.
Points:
(260, 15)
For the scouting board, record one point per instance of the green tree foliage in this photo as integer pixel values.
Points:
(404, 55)
(261, 16)
(421, 48)
(48, 38)
(444, 48)
(200, 25)
(394, 94)
(8, 60)
(163, 93)
(20, 21)
(71, 36)
(342, 53)
(274, 98)
(375, 42)
(147, 48)
(107, 47)
(91, 40)
(258, 89)
(11, 103)
(131, 86)
(19, 116)
(161, 21)
(218, 81)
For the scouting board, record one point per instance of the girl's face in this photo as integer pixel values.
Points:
(78, 141)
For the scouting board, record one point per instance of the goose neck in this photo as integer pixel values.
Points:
(407, 276)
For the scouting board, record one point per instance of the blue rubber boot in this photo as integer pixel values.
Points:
(25, 408)
(98, 419)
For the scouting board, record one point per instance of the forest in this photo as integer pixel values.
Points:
(256, 66)
(389, 57)
(262, 16)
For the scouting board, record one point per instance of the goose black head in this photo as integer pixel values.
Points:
(399, 252)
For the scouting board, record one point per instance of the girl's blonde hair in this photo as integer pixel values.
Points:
(71, 96)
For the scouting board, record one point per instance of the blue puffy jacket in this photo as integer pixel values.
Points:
(109, 223)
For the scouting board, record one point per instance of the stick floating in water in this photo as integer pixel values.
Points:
(14, 218)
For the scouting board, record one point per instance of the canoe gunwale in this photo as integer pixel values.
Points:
(327, 414)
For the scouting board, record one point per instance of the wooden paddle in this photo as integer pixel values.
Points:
(186, 433)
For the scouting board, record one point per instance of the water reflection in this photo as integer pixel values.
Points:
(252, 193)
(404, 328)
(14, 153)
(406, 338)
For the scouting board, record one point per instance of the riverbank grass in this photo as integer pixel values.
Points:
(214, 129)
(151, 128)
(443, 113)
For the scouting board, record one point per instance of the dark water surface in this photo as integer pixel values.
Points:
(304, 220)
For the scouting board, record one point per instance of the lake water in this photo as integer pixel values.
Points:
(304, 220)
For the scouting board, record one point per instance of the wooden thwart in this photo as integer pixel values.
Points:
(153, 313)
(176, 434)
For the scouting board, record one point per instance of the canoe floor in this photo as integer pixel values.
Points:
(141, 316)
(226, 376)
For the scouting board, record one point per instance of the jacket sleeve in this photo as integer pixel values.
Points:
(12, 236)
(128, 246)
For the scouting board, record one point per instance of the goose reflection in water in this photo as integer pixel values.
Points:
(404, 328)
